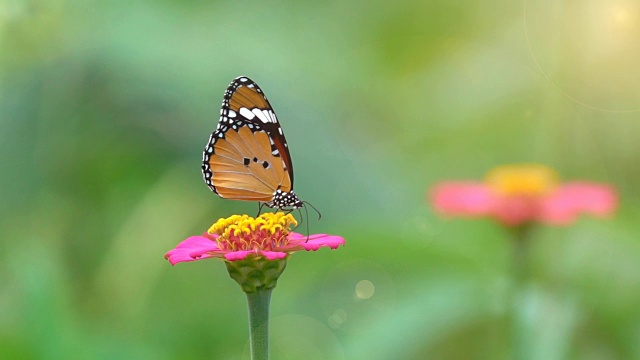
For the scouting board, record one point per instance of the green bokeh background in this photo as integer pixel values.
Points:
(105, 107)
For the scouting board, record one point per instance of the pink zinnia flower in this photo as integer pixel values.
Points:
(519, 194)
(240, 236)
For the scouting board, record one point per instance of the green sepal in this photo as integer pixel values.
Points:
(253, 274)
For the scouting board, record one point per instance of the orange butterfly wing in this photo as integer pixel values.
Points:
(247, 157)
(249, 96)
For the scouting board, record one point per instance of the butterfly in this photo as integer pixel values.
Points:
(247, 156)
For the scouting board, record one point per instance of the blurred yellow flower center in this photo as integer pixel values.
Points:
(526, 179)
(242, 232)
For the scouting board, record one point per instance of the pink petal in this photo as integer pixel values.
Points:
(515, 210)
(273, 255)
(242, 254)
(238, 255)
(571, 199)
(316, 241)
(191, 249)
(463, 198)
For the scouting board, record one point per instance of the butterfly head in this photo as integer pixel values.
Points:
(284, 199)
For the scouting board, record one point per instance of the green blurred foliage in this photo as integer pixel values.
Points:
(105, 107)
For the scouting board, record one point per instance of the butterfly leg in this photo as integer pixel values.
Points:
(306, 211)
(260, 205)
(301, 219)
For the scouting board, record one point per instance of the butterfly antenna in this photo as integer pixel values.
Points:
(314, 208)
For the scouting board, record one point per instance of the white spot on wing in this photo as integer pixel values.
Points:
(232, 113)
(261, 115)
(246, 113)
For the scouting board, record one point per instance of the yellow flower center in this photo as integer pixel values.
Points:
(242, 232)
(525, 179)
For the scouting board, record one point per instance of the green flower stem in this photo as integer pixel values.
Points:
(257, 277)
(520, 328)
(259, 323)
(521, 248)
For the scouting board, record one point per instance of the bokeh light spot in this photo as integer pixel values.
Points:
(347, 286)
(365, 289)
(588, 50)
(625, 18)
(337, 318)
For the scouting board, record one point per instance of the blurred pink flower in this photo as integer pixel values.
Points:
(237, 237)
(518, 194)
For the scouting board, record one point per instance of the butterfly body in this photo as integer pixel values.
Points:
(247, 156)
